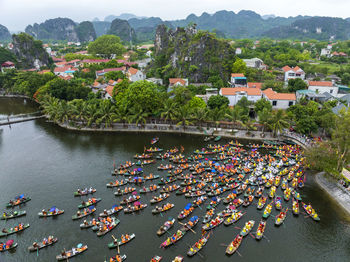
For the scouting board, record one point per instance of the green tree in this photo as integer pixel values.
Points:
(239, 66)
(234, 115)
(196, 102)
(296, 84)
(218, 102)
(168, 112)
(183, 116)
(243, 103)
(114, 75)
(278, 121)
(264, 117)
(106, 46)
(261, 104)
(200, 115)
(216, 115)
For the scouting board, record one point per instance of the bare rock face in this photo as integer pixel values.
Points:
(122, 29)
(193, 54)
(62, 29)
(29, 52)
(4, 33)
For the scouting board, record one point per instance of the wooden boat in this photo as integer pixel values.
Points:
(190, 224)
(296, 195)
(114, 223)
(117, 183)
(125, 191)
(261, 229)
(267, 210)
(154, 140)
(186, 212)
(247, 228)
(311, 212)
(208, 216)
(90, 202)
(234, 245)
(156, 259)
(42, 244)
(170, 188)
(248, 201)
(233, 218)
(124, 239)
(165, 227)
(51, 212)
(272, 192)
(118, 258)
(92, 223)
(132, 209)
(84, 213)
(278, 202)
(19, 200)
(84, 192)
(295, 208)
(237, 202)
(162, 209)
(198, 245)
(149, 189)
(143, 156)
(71, 253)
(4, 247)
(154, 150)
(249, 191)
(166, 181)
(199, 201)
(114, 210)
(218, 138)
(213, 223)
(259, 192)
(14, 230)
(286, 194)
(130, 199)
(161, 197)
(195, 194)
(281, 217)
(145, 162)
(173, 239)
(178, 259)
(261, 202)
(13, 214)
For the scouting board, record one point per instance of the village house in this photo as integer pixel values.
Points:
(340, 54)
(102, 72)
(234, 94)
(323, 87)
(178, 82)
(87, 62)
(157, 81)
(65, 71)
(238, 80)
(293, 73)
(134, 74)
(75, 63)
(7, 66)
(279, 100)
(238, 51)
(255, 63)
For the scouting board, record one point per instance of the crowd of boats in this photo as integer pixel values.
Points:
(232, 174)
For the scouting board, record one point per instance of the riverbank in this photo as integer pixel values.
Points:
(337, 192)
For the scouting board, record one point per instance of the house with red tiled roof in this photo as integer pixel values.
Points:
(87, 62)
(255, 85)
(238, 80)
(61, 64)
(67, 77)
(178, 82)
(109, 91)
(323, 87)
(134, 74)
(279, 100)
(293, 72)
(75, 62)
(65, 70)
(7, 65)
(234, 94)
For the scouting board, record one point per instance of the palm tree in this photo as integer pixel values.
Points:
(138, 115)
(249, 125)
(78, 109)
(90, 113)
(234, 115)
(216, 115)
(169, 110)
(264, 117)
(50, 107)
(182, 115)
(63, 112)
(200, 115)
(106, 113)
(278, 121)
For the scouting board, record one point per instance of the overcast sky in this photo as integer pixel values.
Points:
(17, 14)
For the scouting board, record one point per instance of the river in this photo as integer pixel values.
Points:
(49, 163)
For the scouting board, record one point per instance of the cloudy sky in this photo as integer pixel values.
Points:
(17, 14)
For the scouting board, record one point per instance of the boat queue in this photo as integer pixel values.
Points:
(230, 175)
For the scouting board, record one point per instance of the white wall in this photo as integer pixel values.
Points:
(323, 89)
(282, 104)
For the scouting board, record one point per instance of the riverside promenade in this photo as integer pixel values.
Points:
(335, 190)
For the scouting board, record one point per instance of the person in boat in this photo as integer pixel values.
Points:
(45, 241)
(63, 253)
(35, 245)
(78, 213)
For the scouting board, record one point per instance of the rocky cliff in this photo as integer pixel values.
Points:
(62, 29)
(122, 29)
(29, 52)
(193, 54)
(4, 33)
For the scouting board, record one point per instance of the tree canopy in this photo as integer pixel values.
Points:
(106, 46)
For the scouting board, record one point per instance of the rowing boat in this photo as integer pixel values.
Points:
(16, 229)
(11, 215)
(233, 246)
(278, 202)
(71, 253)
(161, 197)
(213, 223)
(5, 247)
(84, 213)
(118, 258)
(156, 259)
(113, 224)
(261, 229)
(267, 210)
(42, 244)
(262, 202)
(164, 208)
(125, 191)
(116, 183)
(90, 202)
(130, 199)
(198, 245)
(173, 239)
(19, 200)
(114, 210)
(190, 224)
(132, 209)
(84, 192)
(295, 208)
(53, 212)
(233, 218)
(311, 212)
(124, 239)
(165, 227)
(281, 217)
(149, 189)
(247, 228)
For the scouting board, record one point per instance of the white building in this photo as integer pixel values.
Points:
(134, 74)
(323, 87)
(293, 73)
(279, 100)
(238, 51)
(326, 52)
(238, 80)
(234, 94)
(255, 63)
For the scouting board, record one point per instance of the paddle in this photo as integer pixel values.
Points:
(266, 238)
(187, 227)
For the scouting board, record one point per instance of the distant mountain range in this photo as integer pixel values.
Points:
(228, 24)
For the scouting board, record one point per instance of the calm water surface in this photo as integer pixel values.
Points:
(49, 163)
